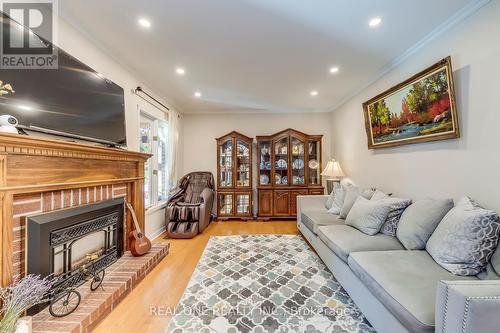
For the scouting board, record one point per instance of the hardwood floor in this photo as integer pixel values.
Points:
(145, 309)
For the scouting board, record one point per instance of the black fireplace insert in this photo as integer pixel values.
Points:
(54, 238)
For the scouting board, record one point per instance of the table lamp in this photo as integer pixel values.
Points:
(333, 171)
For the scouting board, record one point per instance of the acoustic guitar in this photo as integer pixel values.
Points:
(139, 243)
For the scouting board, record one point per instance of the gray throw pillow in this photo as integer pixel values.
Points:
(418, 222)
(338, 199)
(351, 194)
(331, 198)
(368, 215)
(397, 207)
(466, 238)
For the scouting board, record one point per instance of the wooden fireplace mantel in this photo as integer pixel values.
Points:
(29, 165)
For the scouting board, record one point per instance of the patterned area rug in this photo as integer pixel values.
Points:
(264, 283)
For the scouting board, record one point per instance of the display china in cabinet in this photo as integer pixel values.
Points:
(289, 164)
(234, 176)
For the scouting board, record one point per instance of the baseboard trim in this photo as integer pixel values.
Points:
(158, 233)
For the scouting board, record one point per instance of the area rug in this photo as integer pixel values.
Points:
(264, 283)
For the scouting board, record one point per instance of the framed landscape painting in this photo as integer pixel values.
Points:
(420, 109)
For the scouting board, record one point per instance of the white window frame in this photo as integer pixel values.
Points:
(155, 204)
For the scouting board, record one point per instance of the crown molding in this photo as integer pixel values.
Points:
(448, 24)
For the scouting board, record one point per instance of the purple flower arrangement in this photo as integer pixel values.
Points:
(19, 297)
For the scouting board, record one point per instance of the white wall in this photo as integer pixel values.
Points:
(467, 166)
(81, 47)
(200, 132)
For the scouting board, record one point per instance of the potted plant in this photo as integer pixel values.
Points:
(19, 297)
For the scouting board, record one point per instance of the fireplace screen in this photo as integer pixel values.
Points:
(58, 242)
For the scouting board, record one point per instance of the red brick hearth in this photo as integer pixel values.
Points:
(120, 279)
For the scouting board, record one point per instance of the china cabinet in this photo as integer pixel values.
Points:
(289, 164)
(234, 176)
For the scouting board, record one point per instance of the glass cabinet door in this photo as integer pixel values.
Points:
(265, 162)
(298, 162)
(243, 204)
(281, 162)
(242, 164)
(226, 164)
(314, 163)
(225, 204)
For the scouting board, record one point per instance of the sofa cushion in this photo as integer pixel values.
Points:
(419, 221)
(466, 238)
(312, 219)
(343, 240)
(397, 207)
(368, 215)
(351, 194)
(405, 282)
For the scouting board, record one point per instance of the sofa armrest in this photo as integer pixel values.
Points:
(468, 306)
(310, 202)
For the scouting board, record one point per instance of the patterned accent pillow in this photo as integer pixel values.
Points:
(398, 206)
(466, 238)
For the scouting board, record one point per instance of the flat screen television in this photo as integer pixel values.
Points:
(72, 101)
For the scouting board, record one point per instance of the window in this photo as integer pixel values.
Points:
(162, 161)
(154, 140)
(146, 145)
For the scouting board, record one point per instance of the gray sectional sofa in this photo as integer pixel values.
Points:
(400, 290)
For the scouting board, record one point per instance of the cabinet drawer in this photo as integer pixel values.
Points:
(317, 191)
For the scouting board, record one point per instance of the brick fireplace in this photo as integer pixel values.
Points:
(35, 203)
(41, 175)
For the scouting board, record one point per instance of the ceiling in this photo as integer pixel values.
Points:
(259, 55)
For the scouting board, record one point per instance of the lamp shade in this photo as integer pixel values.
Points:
(333, 170)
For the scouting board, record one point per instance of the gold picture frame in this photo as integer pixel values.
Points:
(420, 109)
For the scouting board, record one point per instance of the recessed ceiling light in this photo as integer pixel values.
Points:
(375, 22)
(25, 107)
(197, 94)
(334, 70)
(145, 23)
(314, 93)
(180, 71)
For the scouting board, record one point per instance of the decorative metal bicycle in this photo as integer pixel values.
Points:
(67, 300)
